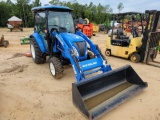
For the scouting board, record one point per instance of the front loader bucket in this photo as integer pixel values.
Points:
(97, 95)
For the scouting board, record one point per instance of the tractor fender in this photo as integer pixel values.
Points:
(39, 40)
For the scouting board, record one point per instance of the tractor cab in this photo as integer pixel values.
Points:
(59, 19)
(62, 21)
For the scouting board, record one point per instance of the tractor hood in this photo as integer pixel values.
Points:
(77, 43)
(69, 37)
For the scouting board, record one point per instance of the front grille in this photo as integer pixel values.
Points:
(81, 47)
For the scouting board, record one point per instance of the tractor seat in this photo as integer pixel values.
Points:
(120, 34)
(123, 37)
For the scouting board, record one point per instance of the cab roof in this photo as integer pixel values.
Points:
(51, 7)
(127, 13)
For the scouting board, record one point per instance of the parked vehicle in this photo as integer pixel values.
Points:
(136, 47)
(55, 36)
(3, 42)
(14, 24)
(84, 26)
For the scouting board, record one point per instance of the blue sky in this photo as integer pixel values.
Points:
(129, 5)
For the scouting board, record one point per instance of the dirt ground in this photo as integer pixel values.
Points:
(29, 92)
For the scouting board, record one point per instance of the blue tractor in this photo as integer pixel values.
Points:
(55, 36)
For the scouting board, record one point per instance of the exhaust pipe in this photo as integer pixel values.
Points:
(99, 94)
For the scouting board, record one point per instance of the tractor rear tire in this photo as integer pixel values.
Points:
(56, 67)
(37, 54)
(135, 57)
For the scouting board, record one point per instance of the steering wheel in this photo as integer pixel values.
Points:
(135, 32)
(60, 28)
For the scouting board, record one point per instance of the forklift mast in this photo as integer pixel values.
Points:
(151, 37)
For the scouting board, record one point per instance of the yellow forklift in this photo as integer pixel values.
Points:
(134, 46)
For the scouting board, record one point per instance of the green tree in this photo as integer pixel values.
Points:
(108, 9)
(22, 8)
(120, 7)
(55, 2)
(36, 3)
(4, 13)
(8, 2)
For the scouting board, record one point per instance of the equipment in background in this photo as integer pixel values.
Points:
(14, 24)
(28, 54)
(55, 36)
(102, 28)
(135, 46)
(95, 29)
(151, 39)
(3, 42)
(25, 40)
(84, 26)
(106, 26)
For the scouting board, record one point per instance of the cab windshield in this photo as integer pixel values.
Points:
(58, 19)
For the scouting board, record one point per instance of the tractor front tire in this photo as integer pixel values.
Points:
(56, 67)
(37, 54)
(135, 57)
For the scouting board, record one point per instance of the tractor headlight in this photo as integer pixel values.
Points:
(75, 52)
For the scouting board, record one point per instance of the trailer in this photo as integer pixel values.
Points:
(15, 23)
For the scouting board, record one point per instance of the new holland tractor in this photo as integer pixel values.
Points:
(135, 46)
(55, 36)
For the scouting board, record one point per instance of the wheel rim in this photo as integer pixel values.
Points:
(108, 53)
(52, 69)
(33, 51)
(134, 58)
